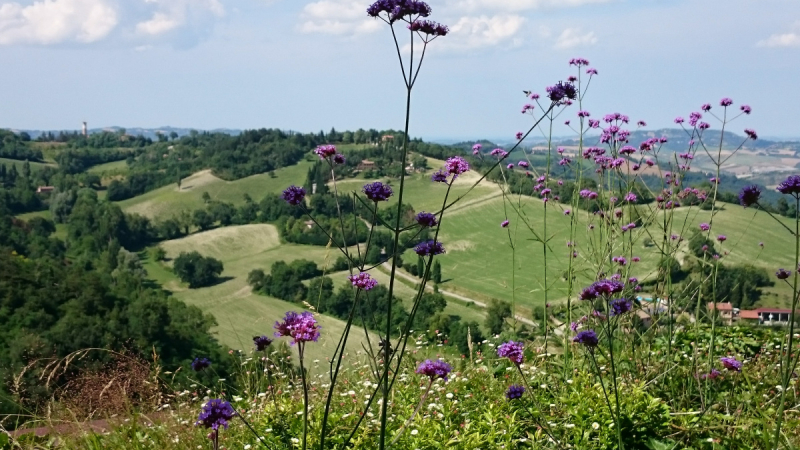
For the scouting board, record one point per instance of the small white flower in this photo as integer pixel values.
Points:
(449, 395)
(414, 432)
(247, 447)
(595, 425)
(295, 441)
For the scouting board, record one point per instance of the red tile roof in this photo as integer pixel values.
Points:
(721, 306)
(748, 314)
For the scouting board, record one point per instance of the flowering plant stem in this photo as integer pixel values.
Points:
(788, 364)
(300, 348)
(405, 425)
(534, 416)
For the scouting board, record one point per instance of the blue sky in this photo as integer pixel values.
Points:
(311, 65)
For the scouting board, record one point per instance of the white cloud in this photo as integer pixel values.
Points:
(790, 39)
(572, 37)
(338, 17)
(516, 5)
(482, 31)
(55, 21)
(172, 14)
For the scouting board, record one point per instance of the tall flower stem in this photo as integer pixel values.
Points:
(387, 341)
(414, 414)
(788, 366)
(300, 348)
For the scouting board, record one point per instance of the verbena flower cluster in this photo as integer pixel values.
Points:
(325, 151)
(363, 281)
(261, 342)
(790, 186)
(601, 288)
(294, 195)
(426, 219)
(216, 413)
(429, 248)
(377, 191)
(399, 9)
(515, 391)
(514, 351)
(429, 27)
(587, 338)
(300, 327)
(200, 364)
(434, 369)
(731, 364)
(749, 195)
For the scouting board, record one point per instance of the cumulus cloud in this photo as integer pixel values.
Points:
(56, 21)
(573, 37)
(338, 17)
(790, 39)
(482, 31)
(516, 5)
(172, 14)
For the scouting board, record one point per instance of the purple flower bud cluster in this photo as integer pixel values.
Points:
(515, 391)
(399, 9)
(429, 27)
(628, 227)
(300, 327)
(711, 375)
(587, 338)
(499, 152)
(578, 62)
(731, 364)
(746, 109)
(294, 195)
(726, 102)
(620, 259)
(585, 193)
(790, 185)
(426, 219)
(694, 118)
(363, 281)
(476, 149)
(325, 151)
(261, 343)
(434, 369)
(377, 191)
(782, 274)
(601, 288)
(562, 92)
(504, 224)
(215, 413)
(705, 227)
(200, 364)
(514, 351)
(620, 306)
(527, 107)
(749, 195)
(429, 248)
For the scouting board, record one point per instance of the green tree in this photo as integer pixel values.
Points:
(202, 220)
(436, 272)
(420, 267)
(496, 316)
(197, 270)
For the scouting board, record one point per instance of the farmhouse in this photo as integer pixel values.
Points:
(45, 189)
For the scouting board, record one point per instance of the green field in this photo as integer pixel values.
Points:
(111, 168)
(35, 166)
(169, 200)
(240, 313)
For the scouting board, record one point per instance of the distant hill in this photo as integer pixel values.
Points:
(151, 133)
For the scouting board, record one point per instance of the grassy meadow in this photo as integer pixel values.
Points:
(240, 313)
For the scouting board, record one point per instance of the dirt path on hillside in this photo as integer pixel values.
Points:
(465, 299)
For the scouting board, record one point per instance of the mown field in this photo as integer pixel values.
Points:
(240, 313)
(169, 200)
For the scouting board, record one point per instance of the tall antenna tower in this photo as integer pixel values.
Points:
(85, 129)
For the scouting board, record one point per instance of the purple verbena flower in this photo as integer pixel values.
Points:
(601, 288)
(731, 364)
(705, 226)
(726, 102)
(790, 185)
(429, 27)
(722, 238)
(427, 219)
(294, 195)
(377, 191)
(200, 364)
(515, 391)
(706, 107)
(711, 375)
(514, 351)
(504, 224)
(620, 306)
(782, 274)
(429, 248)
(216, 413)
(440, 176)
(300, 327)
(751, 133)
(434, 369)
(587, 338)
(561, 91)
(746, 109)
(325, 151)
(338, 159)
(261, 342)
(363, 281)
